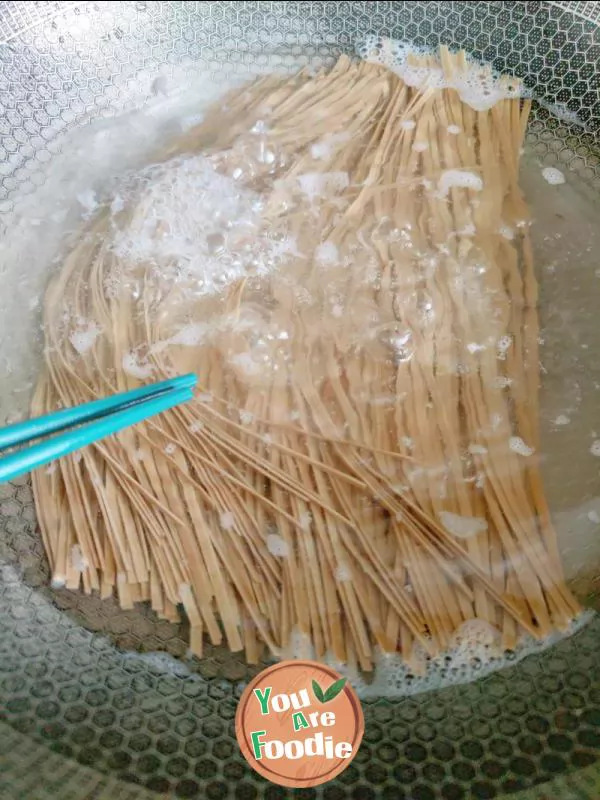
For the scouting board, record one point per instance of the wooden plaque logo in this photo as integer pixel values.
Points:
(299, 723)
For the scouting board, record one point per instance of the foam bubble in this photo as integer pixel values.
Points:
(80, 564)
(305, 520)
(562, 419)
(454, 130)
(517, 445)
(277, 546)
(553, 176)
(477, 449)
(408, 124)
(343, 573)
(462, 527)
(506, 232)
(88, 200)
(82, 340)
(227, 520)
(327, 253)
(477, 84)
(595, 448)
(190, 335)
(473, 347)
(458, 179)
(136, 367)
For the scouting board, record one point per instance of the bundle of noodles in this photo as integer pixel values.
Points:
(344, 261)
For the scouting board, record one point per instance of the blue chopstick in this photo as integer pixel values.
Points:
(23, 432)
(139, 405)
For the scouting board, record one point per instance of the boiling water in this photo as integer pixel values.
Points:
(566, 240)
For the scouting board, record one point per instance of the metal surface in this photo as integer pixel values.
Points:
(66, 681)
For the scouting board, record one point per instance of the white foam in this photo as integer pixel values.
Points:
(305, 520)
(202, 246)
(595, 448)
(136, 367)
(453, 130)
(80, 564)
(327, 253)
(553, 176)
(277, 546)
(83, 340)
(408, 124)
(562, 419)
(458, 179)
(343, 573)
(477, 449)
(517, 445)
(462, 527)
(88, 200)
(326, 147)
(594, 517)
(473, 347)
(227, 520)
(503, 346)
(317, 184)
(190, 335)
(477, 85)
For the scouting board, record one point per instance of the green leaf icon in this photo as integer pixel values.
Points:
(318, 692)
(331, 693)
(334, 690)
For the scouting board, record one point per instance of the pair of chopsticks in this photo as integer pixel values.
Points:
(95, 420)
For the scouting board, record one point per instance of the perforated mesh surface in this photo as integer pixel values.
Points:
(66, 681)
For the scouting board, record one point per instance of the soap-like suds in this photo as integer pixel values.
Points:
(477, 449)
(553, 176)
(458, 179)
(137, 368)
(477, 85)
(80, 564)
(562, 419)
(462, 527)
(83, 339)
(305, 520)
(343, 573)
(88, 201)
(327, 253)
(474, 347)
(277, 546)
(506, 232)
(595, 448)
(517, 445)
(227, 520)
(454, 130)
(408, 124)
(246, 417)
